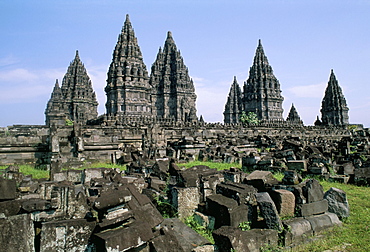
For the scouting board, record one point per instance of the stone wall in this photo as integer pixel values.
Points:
(39, 145)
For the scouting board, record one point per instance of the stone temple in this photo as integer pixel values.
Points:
(168, 93)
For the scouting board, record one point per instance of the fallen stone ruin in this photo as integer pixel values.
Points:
(101, 209)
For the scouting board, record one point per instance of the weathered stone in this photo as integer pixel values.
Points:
(176, 236)
(8, 189)
(112, 198)
(185, 200)
(243, 194)
(313, 208)
(261, 180)
(337, 202)
(312, 190)
(206, 221)
(35, 205)
(323, 221)
(17, 233)
(226, 211)
(124, 238)
(205, 248)
(284, 201)
(268, 211)
(299, 165)
(296, 231)
(291, 178)
(229, 238)
(65, 235)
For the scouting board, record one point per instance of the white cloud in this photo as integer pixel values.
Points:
(309, 91)
(22, 85)
(8, 60)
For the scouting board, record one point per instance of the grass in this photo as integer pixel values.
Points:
(36, 173)
(213, 165)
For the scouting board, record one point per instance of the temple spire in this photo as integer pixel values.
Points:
(173, 90)
(234, 105)
(334, 110)
(261, 91)
(128, 77)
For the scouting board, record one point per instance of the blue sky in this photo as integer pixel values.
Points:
(303, 41)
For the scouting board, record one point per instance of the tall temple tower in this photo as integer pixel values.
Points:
(75, 100)
(262, 94)
(234, 104)
(334, 110)
(173, 90)
(128, 89)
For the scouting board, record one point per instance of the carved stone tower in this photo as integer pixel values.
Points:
(173, 90)
(293, 116)
(56, 112)
(75, 99)
(127, 90)
(262, 94)
(334, 110)
(234, 104)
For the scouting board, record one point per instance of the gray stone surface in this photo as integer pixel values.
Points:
(228, 238)
(17, 233)
(65, 235)
(268, 211)
(308, 209)
(337, 202)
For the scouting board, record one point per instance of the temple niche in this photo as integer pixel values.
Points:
(75, 100)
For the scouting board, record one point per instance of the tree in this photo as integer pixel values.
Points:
(250, 118)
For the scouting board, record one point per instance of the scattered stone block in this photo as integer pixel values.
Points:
(313, 208)
(312, 190)
(8, 189)
(65, 235)
(176, 236)
(291, 178)
(323, 221)
(242, 193)
(261, 180)
(284, 201)
(268, 211)
(17, 233)
(185, 200)
(230, 238)
(299, 165)
(337, 202)
(130, 236)
(296, 231)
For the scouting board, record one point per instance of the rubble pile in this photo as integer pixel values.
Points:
(103, 209)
